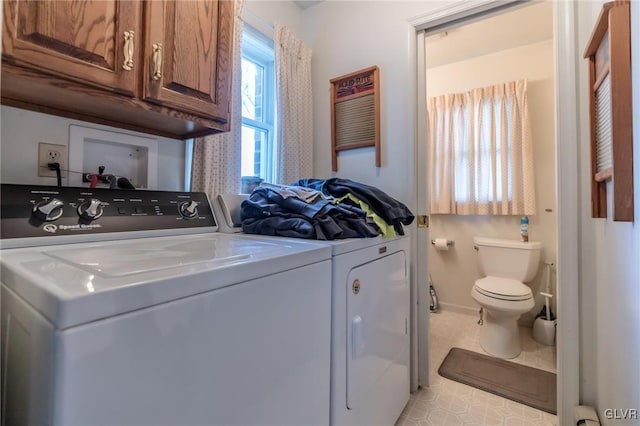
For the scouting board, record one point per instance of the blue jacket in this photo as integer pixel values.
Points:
(266, 212)
(391, 210)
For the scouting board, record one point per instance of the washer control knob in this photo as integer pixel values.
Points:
(189, 209)
(91, 209)
(48, 210)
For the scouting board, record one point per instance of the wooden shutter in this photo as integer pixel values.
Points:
(355, 113)
(609, 54)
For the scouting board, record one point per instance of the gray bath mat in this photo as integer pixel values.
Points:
(527, 385)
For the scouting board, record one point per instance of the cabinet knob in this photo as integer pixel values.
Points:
(128, 50)
(157, 61)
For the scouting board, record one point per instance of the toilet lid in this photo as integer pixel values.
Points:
(503, 288)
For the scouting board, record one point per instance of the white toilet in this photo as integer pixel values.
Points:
(506, 265)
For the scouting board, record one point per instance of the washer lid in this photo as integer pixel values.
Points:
(78, 283)
(503, 288)
(138, 257)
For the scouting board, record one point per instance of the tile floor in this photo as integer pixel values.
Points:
(446, 402)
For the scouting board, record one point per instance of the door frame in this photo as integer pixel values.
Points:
(567, 184)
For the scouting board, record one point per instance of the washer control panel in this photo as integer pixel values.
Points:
(39, 211)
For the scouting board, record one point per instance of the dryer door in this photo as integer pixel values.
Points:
(377, 332)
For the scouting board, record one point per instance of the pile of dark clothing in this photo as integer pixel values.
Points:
(323, 209)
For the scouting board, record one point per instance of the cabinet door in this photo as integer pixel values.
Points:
(82, 40)
(188, 48)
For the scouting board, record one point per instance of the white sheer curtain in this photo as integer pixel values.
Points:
(217, 161)
(480, 152)
(294, 107)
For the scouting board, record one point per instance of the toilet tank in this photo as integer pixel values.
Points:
(508, 258)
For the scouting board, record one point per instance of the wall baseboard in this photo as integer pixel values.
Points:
(525, 321)
(461, 309)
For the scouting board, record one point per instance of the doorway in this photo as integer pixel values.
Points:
(566, 183)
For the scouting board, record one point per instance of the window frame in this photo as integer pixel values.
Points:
(259, 49)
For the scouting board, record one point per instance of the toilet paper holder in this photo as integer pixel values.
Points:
(450, 243)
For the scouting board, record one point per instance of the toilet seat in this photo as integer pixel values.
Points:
(503, 289)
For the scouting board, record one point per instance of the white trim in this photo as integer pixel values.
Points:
(416, 362)
(567, 154)
(567, 183)
(451, 14)
(422, 244)
(251, 18)
(188, 163)
(258, 49)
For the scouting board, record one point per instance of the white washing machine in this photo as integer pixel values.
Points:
(370, 330)
(196, 329)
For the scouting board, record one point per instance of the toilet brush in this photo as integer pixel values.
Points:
(544, 327)
(433, 306)
(546, 312)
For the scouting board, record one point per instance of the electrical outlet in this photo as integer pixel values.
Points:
(51, 153)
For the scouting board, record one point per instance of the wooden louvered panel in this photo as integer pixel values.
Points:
(611, 116)
(355, 122)
(604, 152)
(355, 113)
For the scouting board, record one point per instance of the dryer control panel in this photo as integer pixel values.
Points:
(41, 211)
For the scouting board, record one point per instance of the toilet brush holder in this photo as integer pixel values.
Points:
(544, 331)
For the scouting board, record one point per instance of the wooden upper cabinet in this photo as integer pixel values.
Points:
(95, 42)
(156, 66)
(187, 56)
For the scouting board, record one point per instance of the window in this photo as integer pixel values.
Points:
(258, 109)
(480, 152)
(486, 121)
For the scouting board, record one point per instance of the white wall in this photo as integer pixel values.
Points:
(263, 14)
(609, 260)
(346, 36)
(454, 271)
(22, 130)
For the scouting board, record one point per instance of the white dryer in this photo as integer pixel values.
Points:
(370, 329)
(370, 343)
(198, 329)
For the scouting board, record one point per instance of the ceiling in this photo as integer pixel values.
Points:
(519, 27)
